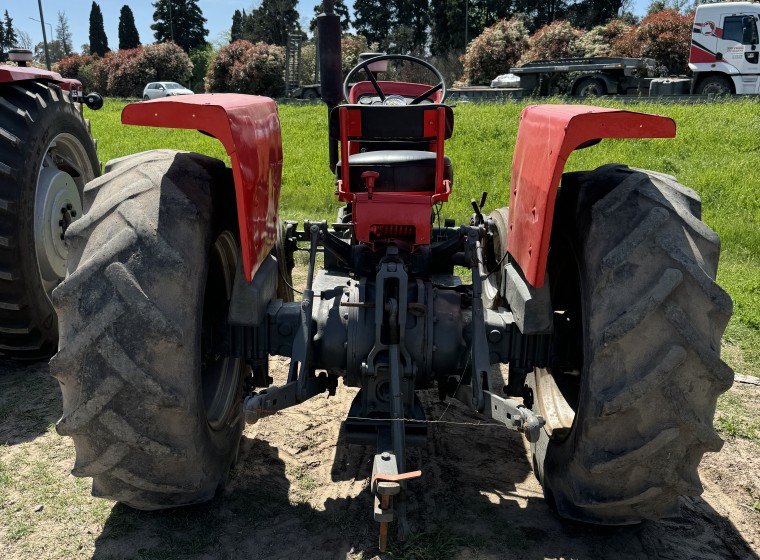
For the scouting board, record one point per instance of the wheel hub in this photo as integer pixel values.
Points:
(58, 204)
(64, 170)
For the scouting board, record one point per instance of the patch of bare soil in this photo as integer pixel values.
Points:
(299, 492)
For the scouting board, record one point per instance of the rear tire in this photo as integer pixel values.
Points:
(635, 373)
(46, 157)
(150, 398)
(590, 87)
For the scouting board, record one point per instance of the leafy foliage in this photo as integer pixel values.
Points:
(129, 38)
(8, 37)
(559, 39)
(125, 72)
(270, 23)
(63, 34)
(245, 67)
(98, 39)
(599, 40)
(179, 21)
(494, 51)
(664, 36)
(340, 9)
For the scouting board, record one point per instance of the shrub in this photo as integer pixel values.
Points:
(243, 67)
(168, 61)
(71, 67)
(351, 47)
(127, 75)
(599, 40)
(664, 36)
(559, 39)
(494, 51)
(200, 58)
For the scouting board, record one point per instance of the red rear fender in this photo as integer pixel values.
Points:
(249, 129)
(545, 139)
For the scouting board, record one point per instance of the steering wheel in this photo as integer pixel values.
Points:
(441, 85)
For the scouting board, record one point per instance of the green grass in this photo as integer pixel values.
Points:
(715, 153)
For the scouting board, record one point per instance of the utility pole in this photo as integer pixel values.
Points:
(44, 35)
(171, 22)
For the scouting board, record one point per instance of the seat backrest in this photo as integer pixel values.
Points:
(382, 127)
(388, 123)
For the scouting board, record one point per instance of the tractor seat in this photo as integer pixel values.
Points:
(400, 170)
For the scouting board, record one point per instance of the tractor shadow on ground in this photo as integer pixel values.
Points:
(30, 401)
(477, 499)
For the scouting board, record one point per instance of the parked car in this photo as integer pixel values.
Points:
(164, 89)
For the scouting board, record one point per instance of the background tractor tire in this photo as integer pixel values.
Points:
(635, 373)
(46, 157)
(151, 398)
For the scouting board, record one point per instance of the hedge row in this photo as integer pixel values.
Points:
(664, 36)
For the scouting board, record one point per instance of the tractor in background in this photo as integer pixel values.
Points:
(47, 155)
(599, 294)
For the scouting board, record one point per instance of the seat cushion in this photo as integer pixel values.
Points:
(400, 170)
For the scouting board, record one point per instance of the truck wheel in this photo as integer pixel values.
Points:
(715, 85)
(635, 373)
(590, 87)
(46, 157)
(310, 93)
(151, 396)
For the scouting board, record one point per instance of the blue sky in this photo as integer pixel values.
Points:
(217, 12)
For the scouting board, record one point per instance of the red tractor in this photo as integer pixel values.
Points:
(600, 295)
(46, 157)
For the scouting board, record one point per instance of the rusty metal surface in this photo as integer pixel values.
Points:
(547, 136)
(249, 129)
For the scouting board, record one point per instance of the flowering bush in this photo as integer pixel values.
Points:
(664, 36)
(124, 73)
(494, 51)
(168, 61)
(599, 40)
(127, 75)
(351, 47)
(559, 39)
(243, 67)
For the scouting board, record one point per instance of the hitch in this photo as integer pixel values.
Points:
(386, 483)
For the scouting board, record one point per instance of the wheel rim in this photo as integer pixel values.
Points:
(219, 371)
(589, 90)
(558, 386)
(64, 171)
(716, 88)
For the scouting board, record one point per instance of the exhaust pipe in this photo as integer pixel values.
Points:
(330, 80)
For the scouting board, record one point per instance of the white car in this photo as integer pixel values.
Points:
(164, 89)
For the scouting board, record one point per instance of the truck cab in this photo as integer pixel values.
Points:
(724, 48)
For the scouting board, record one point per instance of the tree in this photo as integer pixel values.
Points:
(129, 38)
(24, 40)
(9, 37)
(374, 19)
(180, 21)
(54, 48)
(273, 20)
(495, 51)
(413, 19)
(63, 34)
(340, 9)
(98, 39)
(236, 31)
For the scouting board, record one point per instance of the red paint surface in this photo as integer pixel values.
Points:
(371, 214)
(697, 55)
(249, 129)
(16, 74)
(545, 139)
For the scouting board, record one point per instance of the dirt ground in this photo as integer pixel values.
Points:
(299, 492)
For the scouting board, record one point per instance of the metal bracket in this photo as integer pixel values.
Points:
(386, 483)
(513, 415)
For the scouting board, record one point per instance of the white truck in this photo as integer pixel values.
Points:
(723, 58)
(724, 48)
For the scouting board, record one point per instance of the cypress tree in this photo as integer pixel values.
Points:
(129, 38)
(98, 39)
